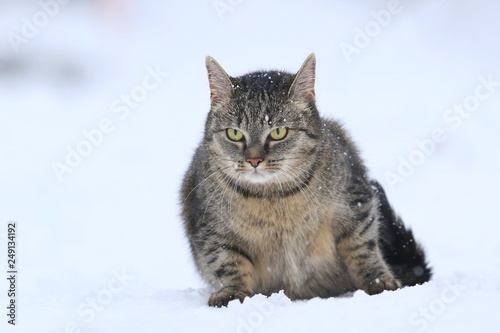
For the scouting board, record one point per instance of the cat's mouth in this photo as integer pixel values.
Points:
(257, 176)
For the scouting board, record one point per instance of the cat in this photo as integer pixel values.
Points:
(278, 198)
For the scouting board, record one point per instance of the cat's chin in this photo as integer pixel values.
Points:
(257, 177)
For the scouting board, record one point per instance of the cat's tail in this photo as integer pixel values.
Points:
(402, 253)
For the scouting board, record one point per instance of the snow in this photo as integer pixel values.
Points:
(102, 249)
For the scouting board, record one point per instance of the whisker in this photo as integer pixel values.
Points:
(203, 181)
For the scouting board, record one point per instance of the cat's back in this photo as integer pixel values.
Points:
(342, 154)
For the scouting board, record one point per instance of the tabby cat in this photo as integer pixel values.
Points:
(278, 198)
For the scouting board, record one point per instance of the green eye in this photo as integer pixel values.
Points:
(278, 133)
(234, 134)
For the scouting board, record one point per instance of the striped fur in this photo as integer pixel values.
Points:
(306, 220)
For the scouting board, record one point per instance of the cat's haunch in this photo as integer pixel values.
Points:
(278, 198)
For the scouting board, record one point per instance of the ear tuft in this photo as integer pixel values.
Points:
(220, 82)
(302, 88)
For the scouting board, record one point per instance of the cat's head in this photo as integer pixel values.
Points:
(263, 128)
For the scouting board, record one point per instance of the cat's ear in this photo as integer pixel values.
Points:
(220, 83)
(302, 88)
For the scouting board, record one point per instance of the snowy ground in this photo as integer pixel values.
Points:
(100, 244)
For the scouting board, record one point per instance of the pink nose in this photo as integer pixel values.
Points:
(254, 161)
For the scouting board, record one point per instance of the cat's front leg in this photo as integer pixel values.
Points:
(358, 246)
(231, 271)
(225, 295)
(366, 265)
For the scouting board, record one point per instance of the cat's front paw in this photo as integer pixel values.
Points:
(383, 282)
(225, 295)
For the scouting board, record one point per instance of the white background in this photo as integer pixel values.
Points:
(117, 212)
